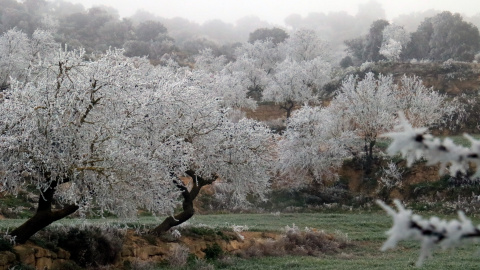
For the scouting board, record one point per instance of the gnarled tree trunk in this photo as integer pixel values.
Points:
(187, 205)
(288, 106)
(43, 217)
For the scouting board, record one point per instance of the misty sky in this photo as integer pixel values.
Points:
(273, 11)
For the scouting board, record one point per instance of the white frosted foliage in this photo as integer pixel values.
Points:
(312, 147)
(395, 39)
(369, 107)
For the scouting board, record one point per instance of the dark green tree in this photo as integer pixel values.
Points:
(150, 30)
(367, 48)
(445, 36)
(373, 41)
(276, 35)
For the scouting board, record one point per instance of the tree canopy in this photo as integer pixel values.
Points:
(118, 133)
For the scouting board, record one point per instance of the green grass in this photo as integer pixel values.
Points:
(403, 258)
(365, 230)
(366, 226)
(461, 140)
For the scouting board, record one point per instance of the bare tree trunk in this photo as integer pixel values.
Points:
(43, 217)
(369, 156)
(288, 106)
(187, 205)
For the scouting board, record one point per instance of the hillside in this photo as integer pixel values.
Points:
(452, 78)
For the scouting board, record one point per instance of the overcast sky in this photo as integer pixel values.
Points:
(274, 11)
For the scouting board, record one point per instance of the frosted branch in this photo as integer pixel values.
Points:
(415, 143)
(431, 232)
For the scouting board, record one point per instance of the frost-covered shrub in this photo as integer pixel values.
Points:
(477, 58)
(395, 39)
(367, 66)
(391, 176)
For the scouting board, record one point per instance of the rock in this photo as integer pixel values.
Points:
(43, 263)
(41, 252)
(63, 254)
(157, 258)
(145, 252)
(26, 254)
(6, 258)
(59, 264)
(127, 251)
(233, 245)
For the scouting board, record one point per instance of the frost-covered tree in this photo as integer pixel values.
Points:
(208, 62)
(249, 76)
(395, 39)
(18, 53)
(254, 64)
(312, 147)
(230, 87)
(304, 45)
(117, 133)
(300, 77)
(188, 120)
(57, 127)
(294, 83)
(229, 82)
(289, 86)
(263, 54)
(367, 48)
(369, 106)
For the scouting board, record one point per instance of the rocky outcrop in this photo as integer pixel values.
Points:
(137, 248)
(35, 256)
(7, 258)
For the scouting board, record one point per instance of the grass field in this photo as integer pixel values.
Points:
(365, 230)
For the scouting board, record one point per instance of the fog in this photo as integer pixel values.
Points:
(275, 11)
(185, 27)
(223, 21)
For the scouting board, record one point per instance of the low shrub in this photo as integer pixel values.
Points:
(5, 245)
(140, 265)
(92, 247)
(178, 256)
(213, 252)
(201, 265)
(22, 266)
(297, 243)
(89, 246)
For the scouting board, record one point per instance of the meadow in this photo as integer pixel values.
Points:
(364, 230)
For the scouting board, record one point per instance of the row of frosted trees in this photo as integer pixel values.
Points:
(118, 134)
